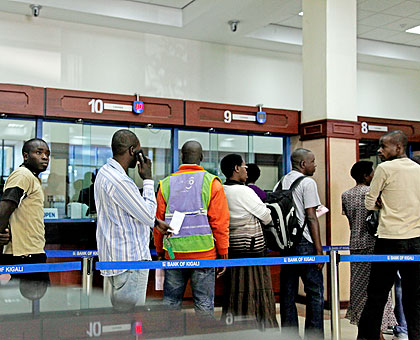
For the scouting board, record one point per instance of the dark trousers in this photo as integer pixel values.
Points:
(314, 288)
(382, 277)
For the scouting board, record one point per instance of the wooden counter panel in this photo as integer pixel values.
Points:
(21, 100)
(213, 115)
(113, 107)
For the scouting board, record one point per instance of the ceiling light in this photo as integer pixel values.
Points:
(415, 30)
(301, 13)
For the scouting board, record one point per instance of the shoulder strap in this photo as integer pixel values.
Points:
(280, 185)
(296, 182)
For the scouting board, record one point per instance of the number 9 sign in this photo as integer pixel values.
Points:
(228, 116)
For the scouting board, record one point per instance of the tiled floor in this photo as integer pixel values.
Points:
(69, 299)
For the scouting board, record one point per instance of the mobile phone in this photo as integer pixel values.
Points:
(138, 155)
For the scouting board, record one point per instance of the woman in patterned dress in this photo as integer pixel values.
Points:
(361, 243)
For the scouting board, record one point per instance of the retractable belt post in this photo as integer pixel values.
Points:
(335, 296)
(87, 274)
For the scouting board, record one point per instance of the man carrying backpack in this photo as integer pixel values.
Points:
(306, 199)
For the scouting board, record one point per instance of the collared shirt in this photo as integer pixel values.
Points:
(125, 218)
(397, 182)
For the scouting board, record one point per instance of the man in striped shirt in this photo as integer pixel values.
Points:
(125, 218)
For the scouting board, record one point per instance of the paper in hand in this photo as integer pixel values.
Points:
(321, 210)
(176, 222)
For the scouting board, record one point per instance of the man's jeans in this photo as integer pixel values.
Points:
(202, 285)
(314, 288)
(382, 277)
(401, 328)
(129, 289)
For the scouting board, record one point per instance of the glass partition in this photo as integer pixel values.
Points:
(14, 132)
(156, 144)
(265, 151)
(78, 151)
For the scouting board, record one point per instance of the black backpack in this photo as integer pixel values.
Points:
(284, 231)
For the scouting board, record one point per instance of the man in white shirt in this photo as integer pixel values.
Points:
(307, 200)
(125, 218)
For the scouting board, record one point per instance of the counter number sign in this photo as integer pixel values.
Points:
(138, 106)
(261, 117)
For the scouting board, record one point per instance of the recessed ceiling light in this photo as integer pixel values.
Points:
(415, 30)
(301, 13)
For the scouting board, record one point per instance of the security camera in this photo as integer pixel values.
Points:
(35, 10)
(233, 25)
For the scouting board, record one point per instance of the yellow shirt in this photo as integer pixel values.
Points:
(399, 182)
(27, 221)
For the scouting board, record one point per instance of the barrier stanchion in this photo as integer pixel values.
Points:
(87, 279)
(335, 297)
(87, 275)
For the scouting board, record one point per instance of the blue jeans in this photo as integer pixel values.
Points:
(202, 285)
(129, 289)
(382, 277)
(401, 328)
(314, 288)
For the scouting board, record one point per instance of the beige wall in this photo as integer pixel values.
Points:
(342, 157)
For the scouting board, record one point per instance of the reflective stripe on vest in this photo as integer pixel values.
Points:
(189, 193)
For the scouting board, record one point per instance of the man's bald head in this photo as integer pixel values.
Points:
(122, 140)
(192, 152)
(298, 156)
(303, 160)
(397, 137)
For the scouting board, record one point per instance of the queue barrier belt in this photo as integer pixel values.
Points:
(40, 267)
(71, 253)
(84, 253)
(243, 262)
(380, 258)
(78, 253)
(69, 266)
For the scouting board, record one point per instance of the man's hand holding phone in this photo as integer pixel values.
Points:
(144, 166)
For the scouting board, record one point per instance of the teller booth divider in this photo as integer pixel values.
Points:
(78, 127)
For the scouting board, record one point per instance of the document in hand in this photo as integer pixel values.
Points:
(176, 222)
(321, 210)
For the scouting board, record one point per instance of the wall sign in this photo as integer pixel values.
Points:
(365, 127)
(138, 106)
(113, 107)
(238, 117)
(374, 128)
(261, 117)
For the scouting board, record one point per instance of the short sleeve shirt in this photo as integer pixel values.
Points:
(305, 196)
(27, 221)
